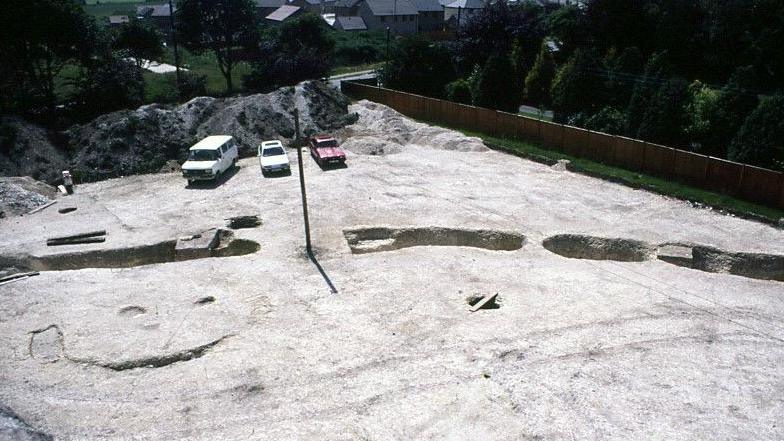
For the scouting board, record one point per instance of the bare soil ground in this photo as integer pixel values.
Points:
(623, 314)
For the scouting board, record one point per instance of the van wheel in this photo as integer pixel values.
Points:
(234, 163)
(190, 182)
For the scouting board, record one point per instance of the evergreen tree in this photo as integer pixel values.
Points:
(760, 140)
(540, 78)
(495, 88)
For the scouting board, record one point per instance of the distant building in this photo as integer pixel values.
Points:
(350, 23)
(400, 16)
(284, 13)
(118, 20)
(462, 10)
(158, 15)
(315, 6)
(431, 15)
(267, 7)
(347, 8)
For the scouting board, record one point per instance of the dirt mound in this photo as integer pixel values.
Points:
(26, 150)
(142, 140)
(20, 195)
(382, 130)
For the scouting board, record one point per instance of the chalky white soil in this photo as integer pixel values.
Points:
(579, 348)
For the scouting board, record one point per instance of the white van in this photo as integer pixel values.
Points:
(210, 157)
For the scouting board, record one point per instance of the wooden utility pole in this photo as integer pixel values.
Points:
(174, 43)
(302, 182)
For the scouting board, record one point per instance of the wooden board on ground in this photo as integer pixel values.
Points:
(487, 299)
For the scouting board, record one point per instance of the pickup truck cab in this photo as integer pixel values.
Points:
(273, 157)
(325, 150)
(209, 158)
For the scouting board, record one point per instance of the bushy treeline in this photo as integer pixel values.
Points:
(705, 75)
(60, 66)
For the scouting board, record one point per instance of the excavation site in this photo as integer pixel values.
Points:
(450, 292)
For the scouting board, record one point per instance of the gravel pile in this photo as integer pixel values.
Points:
(381, 130)
(20, 195)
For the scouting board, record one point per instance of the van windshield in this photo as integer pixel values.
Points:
(203, 155)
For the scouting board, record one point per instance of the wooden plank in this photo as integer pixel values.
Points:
(37, 209)
(483, 302)
(80, 240)
(80, 235)
(16, 277)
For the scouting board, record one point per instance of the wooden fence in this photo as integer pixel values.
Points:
(743, 181)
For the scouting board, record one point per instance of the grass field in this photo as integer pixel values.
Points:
(105, 8)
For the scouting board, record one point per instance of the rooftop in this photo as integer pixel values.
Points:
(392, 7)
(283, 13)
(211, 142)
(351, 23)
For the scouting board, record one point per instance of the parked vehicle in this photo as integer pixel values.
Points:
(273, 157)
(325, 150)
(209, 158)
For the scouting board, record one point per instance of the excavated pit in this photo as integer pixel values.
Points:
(48, 345)
(363, 240)
(713, 260)
(224, 246)
(576, 246)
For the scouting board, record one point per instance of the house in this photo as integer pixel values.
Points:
(158, 15)
(431, 15)
(118, 20)
(284, 13)
(267, 7)
(350, 24)
(315, 6)
(400, 16)
(462, 10)
(347, 8)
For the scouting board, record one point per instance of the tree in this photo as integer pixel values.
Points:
(39, 38)
(225, 27)
(110, 83)
(419, 66)
(576, 87)
(501, 26)
(735, 101)
(496, 86)
(138, 41)
(297, 50)
(459, 91)
(760, 140)
(608, 120)
(657, 70)
(540, 78)
(662, 121)
(700, 113)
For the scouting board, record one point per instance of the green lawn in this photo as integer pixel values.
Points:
(635, 179)
(358, 68)
(104, 8)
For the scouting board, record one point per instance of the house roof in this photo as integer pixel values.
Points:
(466, 4)
(270, 3)
(391, 7)
(346, 3)
(154, 10)
(428, 6)
(283, 13)
(351, 23)
(118, 19)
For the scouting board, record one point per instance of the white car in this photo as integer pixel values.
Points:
(209, 158)
(273, 157)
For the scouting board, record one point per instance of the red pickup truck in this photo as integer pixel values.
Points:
(325, 150)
